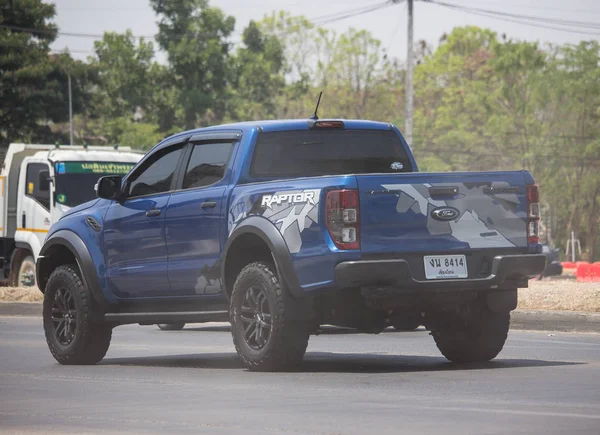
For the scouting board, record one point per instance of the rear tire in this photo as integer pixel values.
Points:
(171, 326)
(479, 339)
(270, 329)
(72, 335)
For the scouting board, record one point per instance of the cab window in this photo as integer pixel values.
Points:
(156, 174)
(37, 183)
(207, 164)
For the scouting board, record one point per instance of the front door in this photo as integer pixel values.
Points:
(34, 221)
(195, 221)
(134, 229)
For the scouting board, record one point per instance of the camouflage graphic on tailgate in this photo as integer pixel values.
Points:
(291, 211)
(481, 215)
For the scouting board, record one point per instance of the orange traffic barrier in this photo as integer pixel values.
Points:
(569, 265)
(587, 272)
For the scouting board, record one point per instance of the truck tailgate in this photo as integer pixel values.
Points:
(437, 213)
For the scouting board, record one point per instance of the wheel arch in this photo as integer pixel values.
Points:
(254, 239)
(66, 247)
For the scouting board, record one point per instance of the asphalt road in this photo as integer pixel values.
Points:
(191, 381)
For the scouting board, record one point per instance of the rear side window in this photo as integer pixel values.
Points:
(310, 153)
(207, 164)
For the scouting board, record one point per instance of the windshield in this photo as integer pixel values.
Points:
(75, 181)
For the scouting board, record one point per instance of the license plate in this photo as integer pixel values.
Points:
(445, 266)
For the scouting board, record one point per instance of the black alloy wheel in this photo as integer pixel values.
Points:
(64, 316)
(256, 318)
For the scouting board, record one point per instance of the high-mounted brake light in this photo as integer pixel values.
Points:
(328, 124)
(342, 216)
(533, 214)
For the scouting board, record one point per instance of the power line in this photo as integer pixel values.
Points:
(529, 17)
(317, 21)
(332, 18)
(524, 19)
(525, 6)
(72, 34)
(397, 27)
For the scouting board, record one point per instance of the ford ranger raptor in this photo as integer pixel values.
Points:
(280, 227)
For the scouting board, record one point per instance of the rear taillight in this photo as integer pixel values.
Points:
(342, 215)
(533, 214)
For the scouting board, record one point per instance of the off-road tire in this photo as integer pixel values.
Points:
(289, 327)
(91, 339)
(171, 326)
(480, 339)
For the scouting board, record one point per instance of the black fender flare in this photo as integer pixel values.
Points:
(269, 233)
(75, 244)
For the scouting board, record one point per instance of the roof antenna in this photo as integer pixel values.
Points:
(315, 117)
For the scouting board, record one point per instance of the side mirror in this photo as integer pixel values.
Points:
(109, 187)
(44, 181)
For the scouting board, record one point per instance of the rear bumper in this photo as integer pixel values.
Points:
(507, 271)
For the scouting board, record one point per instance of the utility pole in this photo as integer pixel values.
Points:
(70, 110)
(408, 127)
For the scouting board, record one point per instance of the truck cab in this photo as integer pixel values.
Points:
(38, 184)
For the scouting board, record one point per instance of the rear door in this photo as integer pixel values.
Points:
(195, 219)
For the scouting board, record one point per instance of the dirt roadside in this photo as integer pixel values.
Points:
(560, 294)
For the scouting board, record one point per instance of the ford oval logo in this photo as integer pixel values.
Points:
(445, 213)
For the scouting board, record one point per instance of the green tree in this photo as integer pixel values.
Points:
(194, 35)
(33, 84)
(573, 180)
(127, 74)
(256, 75)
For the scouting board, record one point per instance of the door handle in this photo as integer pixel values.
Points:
(154, 212)
(208, 204)
(443, 191)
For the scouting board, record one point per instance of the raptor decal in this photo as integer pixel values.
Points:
(291, 211)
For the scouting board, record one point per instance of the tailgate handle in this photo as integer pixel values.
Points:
(443, 191)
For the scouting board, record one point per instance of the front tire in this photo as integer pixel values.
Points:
(478, 339)
(171, 326)
(270, 329)
(72, 335)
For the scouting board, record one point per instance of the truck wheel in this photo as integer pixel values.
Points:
(26, 276)
(270, 329)
(480, 339)
(171, 326)
(72, 336)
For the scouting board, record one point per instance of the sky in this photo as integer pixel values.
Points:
(389, 25)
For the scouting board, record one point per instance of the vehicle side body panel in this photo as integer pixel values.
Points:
(179, 257)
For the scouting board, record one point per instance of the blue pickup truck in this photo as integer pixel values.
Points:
(282, 226)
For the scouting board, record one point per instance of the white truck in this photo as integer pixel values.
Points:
(38, 183)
